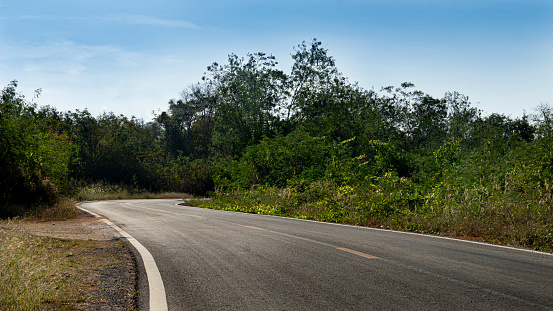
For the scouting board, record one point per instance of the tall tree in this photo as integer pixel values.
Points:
(543, 119)
(461, 116)
(250, 92)
(188, 125)
(313, 75)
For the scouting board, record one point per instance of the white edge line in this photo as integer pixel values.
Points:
(155, 283)
(426, 235)
(407, 232)
(411, 233)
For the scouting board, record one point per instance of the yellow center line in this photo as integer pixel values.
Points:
(255, 228)
(357, 253)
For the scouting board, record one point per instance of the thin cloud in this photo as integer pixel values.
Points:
(67, 57)
(130, 19)
(133, 19)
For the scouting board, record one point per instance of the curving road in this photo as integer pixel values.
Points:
(217, 260)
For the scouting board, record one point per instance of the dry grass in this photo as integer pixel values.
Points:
(62, 210)
(39, 273)
(102, 191)
(131, 196)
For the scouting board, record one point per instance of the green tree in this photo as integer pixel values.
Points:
(427, 122)
(313, 74)
(250, 92)
(543, 119)
(297, 155)
(461, 116)
(114, 149)
(188, 124)
(34, 158)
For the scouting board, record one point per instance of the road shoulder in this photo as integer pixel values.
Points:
(100, 263)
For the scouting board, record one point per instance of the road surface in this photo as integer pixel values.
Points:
(217, 260)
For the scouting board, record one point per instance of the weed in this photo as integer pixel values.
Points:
(483, 212)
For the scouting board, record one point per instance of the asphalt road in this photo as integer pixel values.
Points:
(217, 260)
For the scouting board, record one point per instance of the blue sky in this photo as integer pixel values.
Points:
(132, 57)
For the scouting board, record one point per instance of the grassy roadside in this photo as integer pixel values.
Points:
(41, 273)
(44, 273)
(497, 216)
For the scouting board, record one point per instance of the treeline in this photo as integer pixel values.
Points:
(308, 143)
(46, 155)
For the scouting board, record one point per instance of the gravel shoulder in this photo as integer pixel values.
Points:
(108, 277)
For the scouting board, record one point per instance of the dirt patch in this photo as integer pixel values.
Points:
(103, 268)
(84, 227)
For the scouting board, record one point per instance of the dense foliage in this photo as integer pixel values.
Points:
(308, 143)
(34, 159)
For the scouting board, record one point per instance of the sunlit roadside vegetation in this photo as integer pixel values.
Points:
(507, 204)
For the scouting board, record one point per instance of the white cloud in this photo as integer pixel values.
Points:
(125, 18)
(65, 56)
(134, 19)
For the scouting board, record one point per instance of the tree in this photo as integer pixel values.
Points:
(33, 158)
(461, 117)
(427, 122)
(313, 74)
(543, 119)
(250, 92)
(188, 125)
(326, 103)
(114, 149)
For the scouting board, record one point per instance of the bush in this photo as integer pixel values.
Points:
(33, 160)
